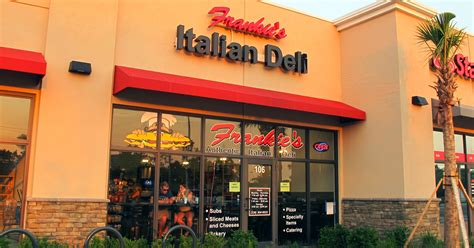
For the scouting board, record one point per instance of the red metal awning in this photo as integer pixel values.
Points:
(131, 78)
(22, 61)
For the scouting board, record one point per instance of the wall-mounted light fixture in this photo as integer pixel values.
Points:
(418, 101)
(80, 67)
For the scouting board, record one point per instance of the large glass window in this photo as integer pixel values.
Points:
(321, 145)
(200, 162)
(222, 195)
(291, 142)
(292, 203)
(223, 137)
(259, 140)
(131, 183)
(14, 143)
(132, 128)
(470, 149)
(179, 132)
(322, 199)
(180, 204)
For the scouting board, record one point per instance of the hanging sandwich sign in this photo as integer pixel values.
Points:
(217, 46)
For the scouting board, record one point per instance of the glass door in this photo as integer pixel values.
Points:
(258, 195)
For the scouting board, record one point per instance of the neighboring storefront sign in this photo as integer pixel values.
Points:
(460, 65)
(259, 201)
(460, 157)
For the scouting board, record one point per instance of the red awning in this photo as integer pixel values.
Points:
(131, 78)
(22, 61)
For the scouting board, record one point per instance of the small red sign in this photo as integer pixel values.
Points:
(470, 158)
(460, 157)
(271, 31)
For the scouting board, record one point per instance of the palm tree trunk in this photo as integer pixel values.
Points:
(451, 221)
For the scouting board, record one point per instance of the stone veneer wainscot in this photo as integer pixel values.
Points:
(65, 221)
(386, 214)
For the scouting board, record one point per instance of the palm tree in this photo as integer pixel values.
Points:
(442, 40)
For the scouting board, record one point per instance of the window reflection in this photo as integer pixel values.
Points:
(179, 205)
(222, 195)
(291, 142)
(292, 202)
(259, 139)
(131, 128)
(323, 205)
(131, 182)
(180, 132)
(222, 137)
(14, 118)
(321, 144)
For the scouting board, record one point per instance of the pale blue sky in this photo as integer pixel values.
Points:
(332, 9)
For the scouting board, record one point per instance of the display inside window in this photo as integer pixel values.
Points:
(14, 118)
(321, 145)
(470, 149)
(290, 142)
(132, 128)
(179, 132)
(292, 204)
(222, 137)
(259, 140)
(179, 192)
(222, 196)
(322, 199)
(131, 184)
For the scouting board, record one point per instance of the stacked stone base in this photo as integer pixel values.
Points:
(65, 221)
(386, 214)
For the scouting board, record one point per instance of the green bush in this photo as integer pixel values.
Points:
(4, 243)
(333, 237)
(108, 242)
(427, 240)
(212, 241)
(363, 237)
(239, 239)
(157, 243)
(42, 243)
(293, 245)
(395, 238)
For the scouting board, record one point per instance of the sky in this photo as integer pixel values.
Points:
(333, 9)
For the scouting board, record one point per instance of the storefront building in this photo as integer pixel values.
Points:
(218, 115)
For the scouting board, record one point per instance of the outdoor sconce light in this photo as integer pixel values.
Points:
(418, 101)
(80, 67)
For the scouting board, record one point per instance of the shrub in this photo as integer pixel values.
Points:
(212, 241)
(4, 243)
(333, 237)
(396, 237)
(427, 240)
(293, 245)
(42, 243)
(363, 237)
(241, 238)
(157, 243)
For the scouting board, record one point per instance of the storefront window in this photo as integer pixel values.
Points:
(321, 145)
(179, 194)
(290, 142)
(292, 203)
(222, 137)
(131, 183)
(470, 149)
(131, 128)
(14, 142)
(259, 140)
(179, 132)
(323, 202)
(222, 195)
(14, 118)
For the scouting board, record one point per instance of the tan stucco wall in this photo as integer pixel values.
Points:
(71, 159)
(23, 26)
(373, 156)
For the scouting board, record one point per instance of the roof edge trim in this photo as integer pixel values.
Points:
(382, 7)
